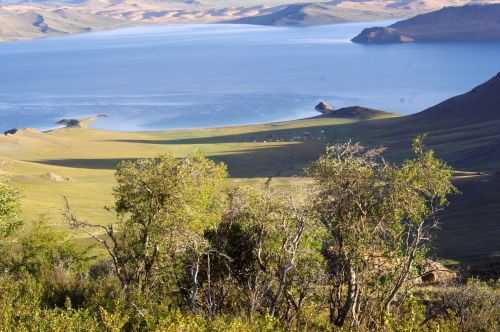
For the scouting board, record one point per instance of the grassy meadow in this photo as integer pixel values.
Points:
(85, 160)
(79, 164)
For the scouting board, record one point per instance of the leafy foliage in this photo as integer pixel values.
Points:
(9, 210)
(161, 204)
(261, 245)
(190, 253)
(378, 217)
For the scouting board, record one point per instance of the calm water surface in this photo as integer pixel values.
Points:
(214, 75)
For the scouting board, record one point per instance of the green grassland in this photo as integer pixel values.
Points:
(80, 163)
(87, 159)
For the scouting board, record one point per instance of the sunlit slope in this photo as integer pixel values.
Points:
(80, 163)
(96, 149)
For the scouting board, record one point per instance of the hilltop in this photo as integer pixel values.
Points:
(470, 23)
(357, 112)
(28, 21)
(310, 14)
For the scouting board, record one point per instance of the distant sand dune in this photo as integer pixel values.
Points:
(28, 20)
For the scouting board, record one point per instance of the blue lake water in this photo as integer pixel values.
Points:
(214, 75)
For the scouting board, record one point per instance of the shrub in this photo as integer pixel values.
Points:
(472, 307)
(378, 218)
(161, 204)
(9, 210)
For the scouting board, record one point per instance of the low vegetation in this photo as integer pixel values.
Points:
(190, 251)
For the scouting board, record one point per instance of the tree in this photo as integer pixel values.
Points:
(9, 210)
(261, 244)
(378, 218)
(41, 249)
(160, 204)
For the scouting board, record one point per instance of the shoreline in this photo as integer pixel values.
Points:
(89, 122)
(26, 21)
(174, 24)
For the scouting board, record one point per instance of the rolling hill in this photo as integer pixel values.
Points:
(357, 112)
(464, 130)
(309, 14)
(339, 11)
(481, 104)
(20, 22)
(27, 19)
(451, 24)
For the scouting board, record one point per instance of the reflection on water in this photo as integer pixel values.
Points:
(213, 75)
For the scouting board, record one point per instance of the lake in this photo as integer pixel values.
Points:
(160, 77)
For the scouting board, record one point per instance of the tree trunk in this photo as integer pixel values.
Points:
(350, 302)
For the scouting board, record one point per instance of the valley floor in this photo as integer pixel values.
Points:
(80, 163)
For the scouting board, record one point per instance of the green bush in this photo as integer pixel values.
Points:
(9, 210)
(189, 255)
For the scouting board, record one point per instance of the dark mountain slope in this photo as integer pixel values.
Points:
(467, 23)
(464, 130)
(481, 104)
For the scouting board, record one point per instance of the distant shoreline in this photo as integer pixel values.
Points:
(146, 25)
(34, 20)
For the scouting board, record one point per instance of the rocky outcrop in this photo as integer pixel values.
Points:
(451, 24)
(39, 22)
(357, 113)
(69, 123)
(20, 131)
(380, 35)
(12, 131)
(56, 177)
(323, 107)
(437, 273)
(79, 123)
